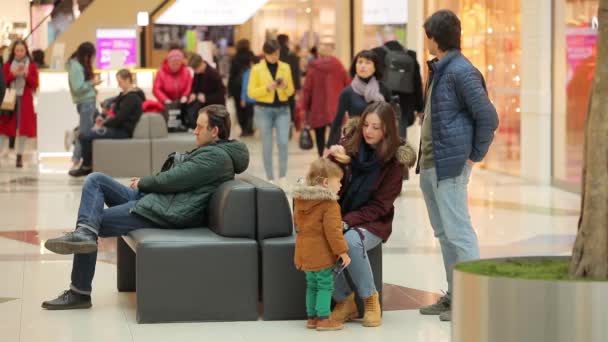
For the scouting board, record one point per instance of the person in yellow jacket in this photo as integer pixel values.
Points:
(271, 85)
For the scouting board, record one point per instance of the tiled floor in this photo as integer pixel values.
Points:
(512, 217)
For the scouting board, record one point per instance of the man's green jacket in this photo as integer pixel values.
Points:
(178, 198)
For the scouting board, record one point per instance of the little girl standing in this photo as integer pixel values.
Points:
(320, 241)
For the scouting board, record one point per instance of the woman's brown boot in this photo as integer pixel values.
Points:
(346, 310)
(19, 161)
(373, 312)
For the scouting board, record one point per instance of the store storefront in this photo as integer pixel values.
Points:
(491, 40)
(382, 21)
(308, 23)
(575, 48)
(329, 23)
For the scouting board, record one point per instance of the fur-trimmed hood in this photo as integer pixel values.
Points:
(406, 155)
(307, 198)
(313, 193)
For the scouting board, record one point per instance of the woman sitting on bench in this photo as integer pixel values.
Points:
(127, 109)
(376, 156)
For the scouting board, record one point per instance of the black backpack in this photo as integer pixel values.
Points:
(399, 71)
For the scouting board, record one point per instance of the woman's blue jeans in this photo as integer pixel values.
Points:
(360, 270)
(267, 118)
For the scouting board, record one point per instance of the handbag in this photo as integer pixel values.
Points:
(10, 99)
(306, 139)
(305, 136)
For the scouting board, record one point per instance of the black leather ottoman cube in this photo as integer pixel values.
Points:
(273, 213)
(284, 290)
(194, 275)
(125, 266)
(283, 287)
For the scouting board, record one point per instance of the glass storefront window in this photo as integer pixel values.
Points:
(575, 40)
(382, 21)
(307, 22)
(491, 40)
(376, 35)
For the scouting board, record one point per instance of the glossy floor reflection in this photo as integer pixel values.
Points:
(511, 216)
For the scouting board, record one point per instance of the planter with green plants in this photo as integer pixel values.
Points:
(527, 299)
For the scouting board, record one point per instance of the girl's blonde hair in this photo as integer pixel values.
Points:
(322, 169)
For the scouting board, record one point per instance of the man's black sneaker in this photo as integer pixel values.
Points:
(442, 305)
(80, 241)
(80, 172)
(446, 316)
(68, 300)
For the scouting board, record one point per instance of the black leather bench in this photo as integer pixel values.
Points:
(221, 271)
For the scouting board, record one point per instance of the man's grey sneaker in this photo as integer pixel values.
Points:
(442, 305)
(68, 300)
(80, 241)
(446, 316)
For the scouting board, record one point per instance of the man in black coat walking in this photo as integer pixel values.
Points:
(293, 60)
(410, 102)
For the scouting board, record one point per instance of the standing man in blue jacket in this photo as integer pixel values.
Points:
(457, 130)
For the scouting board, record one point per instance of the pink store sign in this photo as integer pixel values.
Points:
(581, 47)
(116, 48)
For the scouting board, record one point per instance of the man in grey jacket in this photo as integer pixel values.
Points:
(457, 130)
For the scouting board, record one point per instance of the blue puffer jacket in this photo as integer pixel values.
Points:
(463, 119)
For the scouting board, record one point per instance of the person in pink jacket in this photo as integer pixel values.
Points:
(173, 80)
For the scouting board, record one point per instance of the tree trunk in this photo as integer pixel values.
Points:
(590, 254)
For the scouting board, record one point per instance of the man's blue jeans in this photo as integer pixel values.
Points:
(447, 205)
(86, 141)
(116, 220)
(359, 269)
(267, 118)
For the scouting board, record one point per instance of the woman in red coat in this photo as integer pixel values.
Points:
(325, 79)
(173, 80)
(21, 74)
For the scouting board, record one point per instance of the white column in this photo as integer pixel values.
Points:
(415, 32)
(535, 102)
(343, 32)
(358, 26)
(560, 149)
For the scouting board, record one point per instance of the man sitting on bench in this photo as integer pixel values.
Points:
(172, 199)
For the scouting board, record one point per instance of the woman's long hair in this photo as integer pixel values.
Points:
(11, 57)
(84, 55)
(388, 146)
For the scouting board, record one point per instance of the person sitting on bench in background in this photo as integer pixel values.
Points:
(175, 198)
(127, 109)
